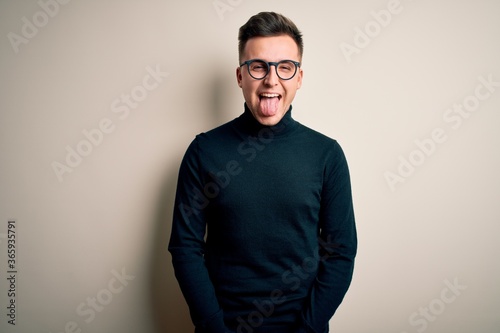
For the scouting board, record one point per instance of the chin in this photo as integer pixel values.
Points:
(270, 121)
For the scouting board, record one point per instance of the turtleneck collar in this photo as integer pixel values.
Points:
(251, 126)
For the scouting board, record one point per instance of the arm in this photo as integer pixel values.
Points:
(338, 245)
(187, 246)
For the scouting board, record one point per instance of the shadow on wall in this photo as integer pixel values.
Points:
(170, 311)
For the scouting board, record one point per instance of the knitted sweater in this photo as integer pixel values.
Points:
(263, 235)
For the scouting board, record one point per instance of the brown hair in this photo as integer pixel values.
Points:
(268, 24)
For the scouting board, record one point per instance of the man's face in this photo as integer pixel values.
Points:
(270, 98)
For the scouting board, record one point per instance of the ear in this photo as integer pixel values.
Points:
(239, 78)
(300, 75)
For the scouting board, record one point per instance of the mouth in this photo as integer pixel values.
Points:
(269, 103)
(269, 95)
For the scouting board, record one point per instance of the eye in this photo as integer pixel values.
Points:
(258, 66)
(286, 66)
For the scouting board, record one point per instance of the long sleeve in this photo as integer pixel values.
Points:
(187, 246)
(338, 246)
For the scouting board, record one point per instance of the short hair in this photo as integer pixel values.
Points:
(268, 24)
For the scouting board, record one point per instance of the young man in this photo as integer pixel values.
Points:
(274, 199)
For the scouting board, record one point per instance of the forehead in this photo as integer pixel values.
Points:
(273, 48)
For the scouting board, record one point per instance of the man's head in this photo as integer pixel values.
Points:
(272, 38)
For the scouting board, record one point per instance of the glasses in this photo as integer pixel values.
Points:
(258, 69)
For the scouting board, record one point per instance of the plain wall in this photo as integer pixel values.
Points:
(402, 85)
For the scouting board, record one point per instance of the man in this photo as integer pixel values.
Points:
(274, 199)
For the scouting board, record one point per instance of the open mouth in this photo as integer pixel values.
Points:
(269, 95)
(269, 103)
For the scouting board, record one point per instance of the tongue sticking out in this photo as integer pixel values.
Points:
(269, 105)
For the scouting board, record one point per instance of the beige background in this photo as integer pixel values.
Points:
(112, 212)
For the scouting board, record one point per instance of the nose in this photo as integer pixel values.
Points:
(271, 78)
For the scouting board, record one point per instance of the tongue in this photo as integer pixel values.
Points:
(269, 106)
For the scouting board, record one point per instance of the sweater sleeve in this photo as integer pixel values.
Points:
(338, 246)
(187, 246)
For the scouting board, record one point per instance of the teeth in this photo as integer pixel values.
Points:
(270, 95)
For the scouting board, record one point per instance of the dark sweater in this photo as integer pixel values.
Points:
(281, 239)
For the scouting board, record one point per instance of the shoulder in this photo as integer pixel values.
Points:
(219, 133)
(215, 141)
(314, 137)
(327, 151)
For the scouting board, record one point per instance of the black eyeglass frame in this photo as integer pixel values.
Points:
(269, 64)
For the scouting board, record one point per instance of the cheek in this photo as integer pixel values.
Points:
(248, 87)
(292, 88)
